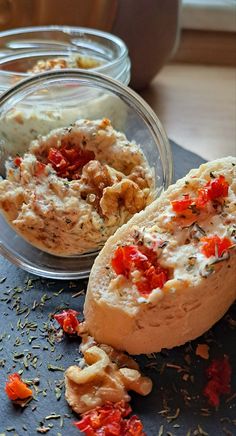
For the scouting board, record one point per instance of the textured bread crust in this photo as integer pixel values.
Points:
(178, 316)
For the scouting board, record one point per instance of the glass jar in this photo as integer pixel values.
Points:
(21, 49)
(45, 101)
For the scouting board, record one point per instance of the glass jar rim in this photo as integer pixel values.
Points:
(43, 53)
(109, 84)
(119, 44)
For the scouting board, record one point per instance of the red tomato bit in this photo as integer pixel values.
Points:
(16, 389)
(219, 373)
(109, 420)
(130, 258)
(218, 188)
(68, 320)
(17, 161)
(68, 161)
(39, 168)
(213, 190)
(215, 246)
(181, 205)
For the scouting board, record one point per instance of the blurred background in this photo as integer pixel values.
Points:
(183, 58)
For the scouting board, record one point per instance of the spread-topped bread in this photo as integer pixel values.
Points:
(170, 273)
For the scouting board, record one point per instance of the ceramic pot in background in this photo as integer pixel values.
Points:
(150, 29)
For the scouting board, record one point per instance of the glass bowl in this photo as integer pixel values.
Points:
(69, 95)
(21, 49)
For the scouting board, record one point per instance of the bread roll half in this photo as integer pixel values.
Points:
(193, 242)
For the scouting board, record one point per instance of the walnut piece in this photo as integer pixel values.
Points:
(49, 64)
(83, 62)
(95, 177)
(103, 379)
(126, 193)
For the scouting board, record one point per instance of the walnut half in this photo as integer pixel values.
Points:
(102, 380)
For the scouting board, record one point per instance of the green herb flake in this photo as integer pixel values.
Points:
(78, 294)
(45, 298)
(17, 342)
(2, 363)
(18, 355)
(32, 338)
(55, 368)
(57, 393)
(201, 431)
(59, 357)
(172, 417)
(34, 305)
(52, 416)
(34, 362)
(25, 362)
(58, 293)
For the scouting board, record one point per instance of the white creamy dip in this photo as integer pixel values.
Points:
(76, 213)
(25, 122)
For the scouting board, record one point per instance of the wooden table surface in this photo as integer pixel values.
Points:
(197, 106)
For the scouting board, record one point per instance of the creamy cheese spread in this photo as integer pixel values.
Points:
(75, 211)
(37, 116)
(176, 242)
(71, 61)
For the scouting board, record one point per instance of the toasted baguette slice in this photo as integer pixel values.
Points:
(200, 286)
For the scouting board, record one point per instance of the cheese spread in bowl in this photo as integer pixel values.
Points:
(72, 188)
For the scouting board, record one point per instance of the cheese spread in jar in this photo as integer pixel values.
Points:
(75, 187)
(24, 123)
(59, 63)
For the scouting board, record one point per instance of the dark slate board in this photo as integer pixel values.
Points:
(20, 291)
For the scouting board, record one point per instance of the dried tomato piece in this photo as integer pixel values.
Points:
(129, 258)
(202, 198)
(77, 156)
(68, 161)
(181, 205)
(68, 320)
(56, 158)
(215, 189)
(219, 372)
(218, 188)
(215, 246)
(40, 167)
(118, 262)
(16, 389)
(17, 161)
(156, 276)
(109, 420)
(133, 427)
